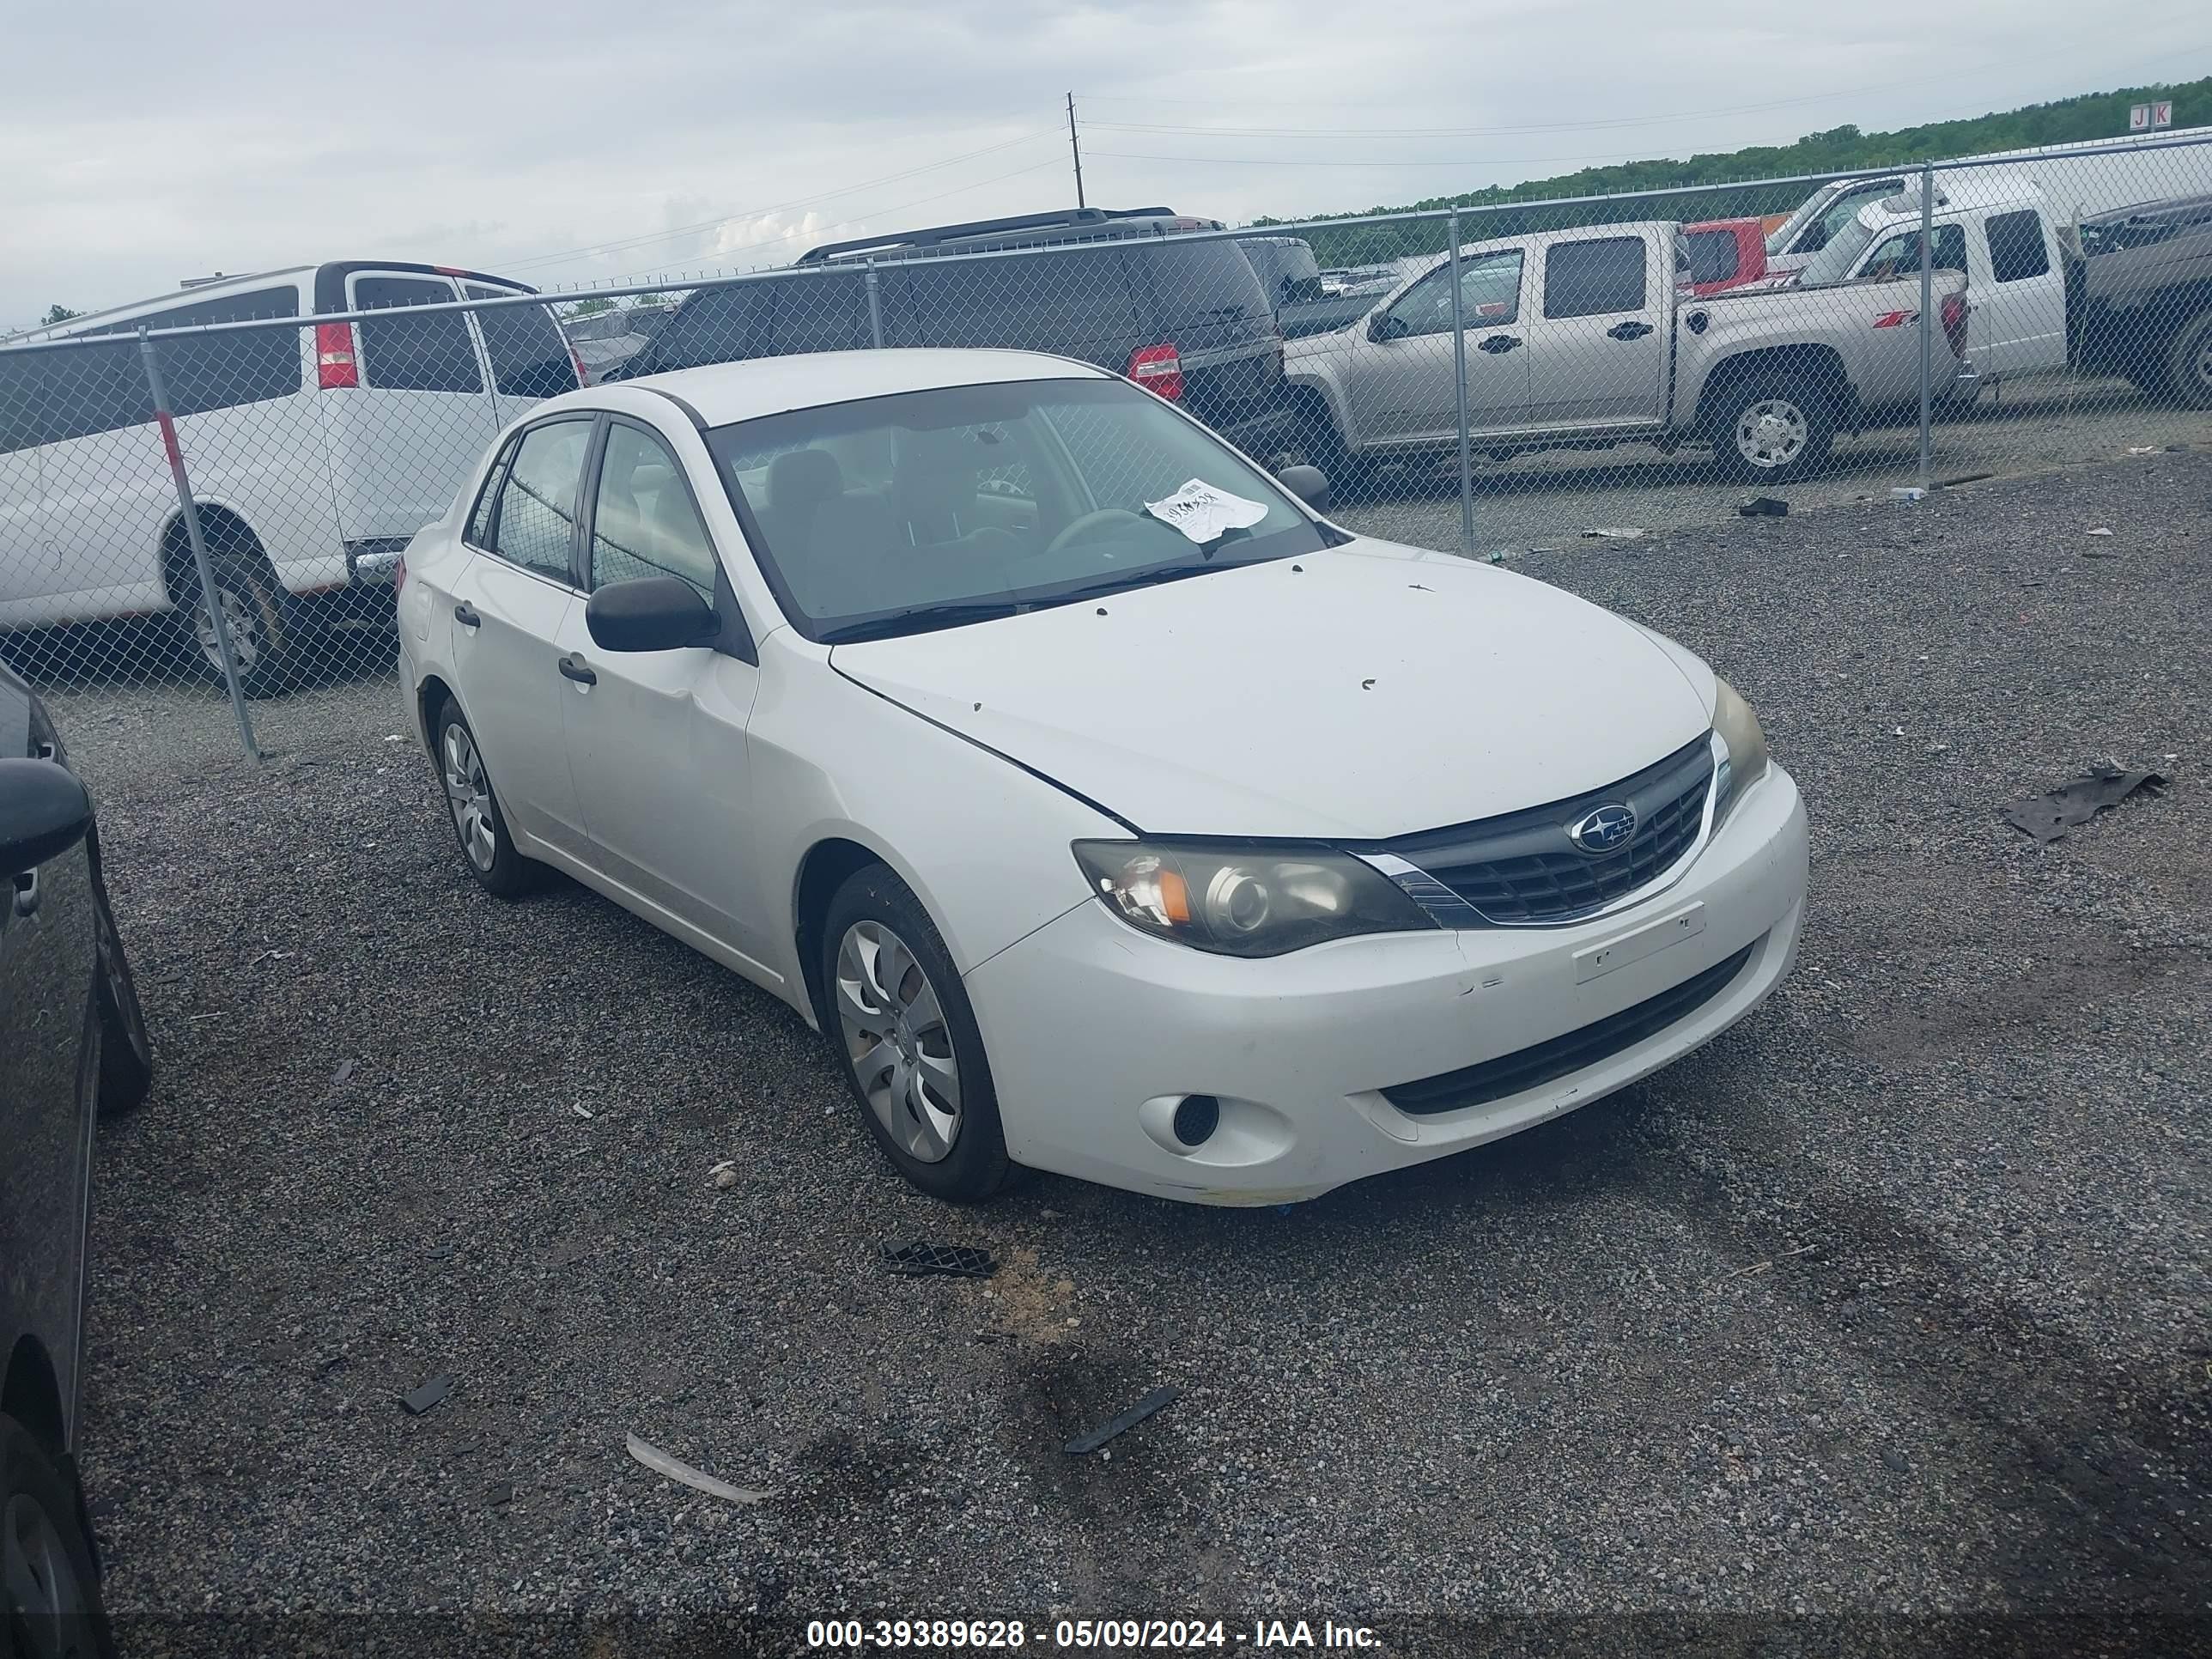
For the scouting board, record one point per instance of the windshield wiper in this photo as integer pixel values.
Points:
(921, 619)
(1151, 576)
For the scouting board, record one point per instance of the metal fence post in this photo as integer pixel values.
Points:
(151, 361)
(875, 308)
(1459, 388)
(1927, 298)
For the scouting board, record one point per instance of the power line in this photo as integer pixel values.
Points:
(625, 244)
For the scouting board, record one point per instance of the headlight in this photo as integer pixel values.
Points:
(1747, 747)
(1245, 901)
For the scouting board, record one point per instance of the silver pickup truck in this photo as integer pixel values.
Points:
(1579, 339)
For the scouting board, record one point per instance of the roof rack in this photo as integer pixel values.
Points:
(1063, 219)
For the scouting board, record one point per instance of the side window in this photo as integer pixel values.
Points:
(825, 313)
(223, 371)
(1712, 256)
(2016, 250)
(713, 325)
(478, 534)
(1841, 211)
(414, 354)
(537, 499)
(50, 396)
(1036, 301)
(1594, 278)
(1490, 294)
(644, 523)
(528, 358)
(1899, 256)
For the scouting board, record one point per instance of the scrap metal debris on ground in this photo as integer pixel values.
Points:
(419, 1400)
(682, 1472)
(1128, 1419)
(919, 1259)
(2048, 817)
(1765, 507)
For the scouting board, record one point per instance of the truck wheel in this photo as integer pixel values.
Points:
(2189, 362)
(1772, 430)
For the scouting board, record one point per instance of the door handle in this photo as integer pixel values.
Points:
(574, 668)
(27, 893)
(1498, 342)
(465, 614)
(1628, 330)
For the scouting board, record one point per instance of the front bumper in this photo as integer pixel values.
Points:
(1095, 1031)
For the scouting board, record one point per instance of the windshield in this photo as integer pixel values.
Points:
(927, 509)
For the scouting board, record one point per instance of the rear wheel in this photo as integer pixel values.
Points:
(1772, 430)
(50, 1602)
(2189, 362)
(260, 616)
(478, 824)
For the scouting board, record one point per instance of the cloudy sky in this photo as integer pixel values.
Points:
(570, 143)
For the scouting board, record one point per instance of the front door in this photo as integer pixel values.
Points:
(510, 607)
(1398, 379)
(657, 738)
(404, 438)
(1598, 350)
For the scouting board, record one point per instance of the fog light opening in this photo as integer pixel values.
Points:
(1196, 1119)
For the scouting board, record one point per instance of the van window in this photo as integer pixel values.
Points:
(223, 371)
(414, 354)
(528, 358)
(1028, 301)
(1594, 278)
(50, 396)
(1193, 284)
(537, 523)
(2016, 250)
(821, 313)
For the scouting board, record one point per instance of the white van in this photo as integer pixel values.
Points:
(314, 452)
(1995, 227)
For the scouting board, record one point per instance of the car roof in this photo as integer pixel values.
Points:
(724, 392)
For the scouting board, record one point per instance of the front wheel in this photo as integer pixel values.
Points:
(1773, 430)
(2189, 362)
(907, 1040)
(50, 1602)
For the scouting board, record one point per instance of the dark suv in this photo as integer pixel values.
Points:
(1127, 290)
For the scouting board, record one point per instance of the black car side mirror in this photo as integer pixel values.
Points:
(1387, 326)
(1308, 483)
(43, 811)
(650, 613)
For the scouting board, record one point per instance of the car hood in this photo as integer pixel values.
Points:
(1355, 693)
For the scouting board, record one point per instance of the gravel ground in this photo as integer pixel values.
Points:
(1879, 1325)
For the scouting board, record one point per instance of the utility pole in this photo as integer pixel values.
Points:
(1076, 147)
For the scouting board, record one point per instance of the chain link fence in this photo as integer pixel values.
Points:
(206, 495)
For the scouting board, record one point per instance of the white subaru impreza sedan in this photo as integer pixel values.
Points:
(1111, 811)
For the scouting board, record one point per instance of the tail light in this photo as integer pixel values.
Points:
(582, 378)
(1954, 323)
(399, 576)
(1159, 369)
(335, 365)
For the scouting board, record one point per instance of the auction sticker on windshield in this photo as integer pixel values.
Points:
(1203, 512)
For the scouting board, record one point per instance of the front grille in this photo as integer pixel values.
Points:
(1540, 1063)
(1522, 869)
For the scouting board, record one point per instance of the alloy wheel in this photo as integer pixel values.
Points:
(1772, 432)
(39, 1595)
(468, 791)
(244, 624)
(898, 1041)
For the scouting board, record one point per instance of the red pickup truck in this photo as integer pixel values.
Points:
(1723, 254)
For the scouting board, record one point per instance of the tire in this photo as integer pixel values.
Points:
(126, 1051)
(46, 1556)
(910, 1048)
(267, 633)
(1324, 447)
(473, 806)
(2189, 363)
(1772, 429)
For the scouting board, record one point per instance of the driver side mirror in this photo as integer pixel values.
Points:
(650, 613)
(1387, 326)
(43, 811)
(1308, 483)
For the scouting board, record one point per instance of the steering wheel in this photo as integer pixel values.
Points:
(1088, 523)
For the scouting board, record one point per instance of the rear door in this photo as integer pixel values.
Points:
(511, 603)
(1598, 337)
(402, 440)
(530, 360)
(2019, 308)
